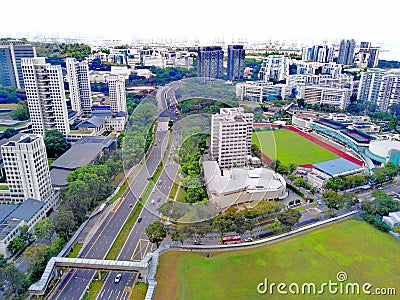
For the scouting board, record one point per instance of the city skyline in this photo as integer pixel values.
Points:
(207, 22)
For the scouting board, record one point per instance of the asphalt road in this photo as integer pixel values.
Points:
(73, 285)
(136, 246)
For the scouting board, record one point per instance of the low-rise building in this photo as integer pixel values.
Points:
(321, 172)
(261, 91)
(393, 219)
(242, 185)
(13, 216)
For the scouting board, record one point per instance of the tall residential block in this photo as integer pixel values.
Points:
(235, 66)
(27, 169)
(389, 91)
(367, 56)
(231, 132)
(79, 86)
(318, 53)
(210, 62)
(11, 54)
(117, 94)
(45, 93)
(346, 52)
(370, 84)
(275, 67)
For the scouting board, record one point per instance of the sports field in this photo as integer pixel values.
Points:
(365, 254)
(290, 147)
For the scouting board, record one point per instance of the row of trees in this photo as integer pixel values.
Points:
(8, 94)
(62, 50)
(21, 113)
(188, 157)
(380, 205)
(87, 187)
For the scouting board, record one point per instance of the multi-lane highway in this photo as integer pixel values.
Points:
(74, 285)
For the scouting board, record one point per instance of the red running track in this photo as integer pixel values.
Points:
(314, 140)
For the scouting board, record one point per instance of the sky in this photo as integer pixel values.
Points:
(305, 21)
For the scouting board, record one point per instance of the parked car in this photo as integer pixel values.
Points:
(139, 220)
(249, 239)
(118, 278)
(197, 242)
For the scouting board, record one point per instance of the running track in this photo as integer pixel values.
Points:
(312, 139)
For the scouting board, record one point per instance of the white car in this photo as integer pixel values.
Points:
(118, 278)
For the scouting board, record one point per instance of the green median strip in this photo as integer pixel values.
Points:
(122, 189)
(75, 250)
(139, 291)
(124, 233)
(94, 289)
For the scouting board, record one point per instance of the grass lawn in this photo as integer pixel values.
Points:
(94, 289)
(351, 246)
(8, 105)
(290, 147)
(75, 250)
(139, 291)
(122, 189)
(4, 187)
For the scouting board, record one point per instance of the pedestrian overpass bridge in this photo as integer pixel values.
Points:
(39, 288)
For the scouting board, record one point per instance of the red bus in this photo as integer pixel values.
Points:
(232, 240)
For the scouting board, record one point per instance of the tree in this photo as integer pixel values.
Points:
(15, 245)
(9, 132)
(333, 200)
(156, 232)
(44, 229)
(25, 234)
(182, 232)
(289, 217)
(8, 94)
(36, 255)
(21, 113)
(55, 143)
(275, 227)
(224, 225)
(17, 281)
(64, 223)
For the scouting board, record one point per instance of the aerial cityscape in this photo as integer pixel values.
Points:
(166, 151)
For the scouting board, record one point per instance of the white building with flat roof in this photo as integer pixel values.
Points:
(231, 133)
(117, 94)
(44, 86)
(27, 169)
(79, 86)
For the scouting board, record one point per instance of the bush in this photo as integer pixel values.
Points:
(376, 222)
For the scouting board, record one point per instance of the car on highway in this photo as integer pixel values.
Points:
(118, 278)
(139, 219)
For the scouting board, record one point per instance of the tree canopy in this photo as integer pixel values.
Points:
(156, 232)
(56, 144)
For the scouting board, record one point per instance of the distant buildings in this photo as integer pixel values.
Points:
(235, 65)
(261, 91)
(231, 133)
(79, 86)
(346, 52)
(210, 62)
(27, 170)
(11, 53)
(44, 87)
(367, 56)
(329, 95)
(274, 67)
(117, 94)
(318, 53)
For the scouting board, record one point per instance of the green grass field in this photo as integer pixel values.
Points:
(290, 147)
(351, 246)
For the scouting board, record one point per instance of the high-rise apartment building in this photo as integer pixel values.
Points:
(11, 53)
(235, 66)
(346, 52)
(367, 56)
(389, 92)
(45, 93)
(210, 62)
(117, 94)
(274, 67)
(79, 86)
(318, 53)
(370, 84)
(231, 132)
(27, 169)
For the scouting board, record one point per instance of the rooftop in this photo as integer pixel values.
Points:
(338, 166)
(92, 122)
(27, 209)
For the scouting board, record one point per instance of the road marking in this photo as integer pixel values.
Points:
(66, 284)
(142, 251)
